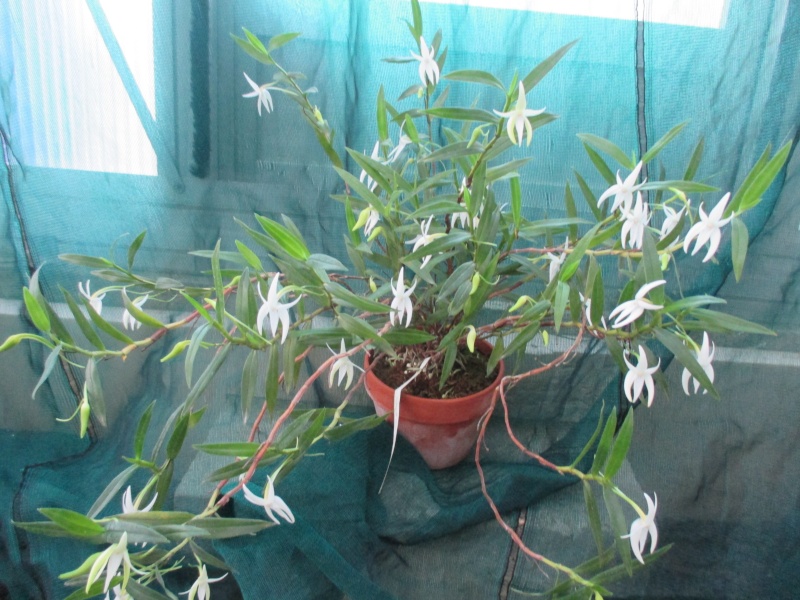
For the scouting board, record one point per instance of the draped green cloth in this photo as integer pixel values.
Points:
(113, 122)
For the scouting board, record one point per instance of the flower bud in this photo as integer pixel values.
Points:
(375, 233)
(476, 281)
(545, 337)
(373, 288)
(665, 258)
(519, 303)
(81, 570)
(177, 349)
(362, 219)
(85, 413)
(471, 337)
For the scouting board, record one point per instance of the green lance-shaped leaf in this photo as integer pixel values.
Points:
(272, 380)
(219, 529)
(740, 239)
(544, 67)
(94, 392)
(758, 180)
(660, 144)
(292, 244)
(74, 523)
(711, 320)
(134, 248)
(520, 341)
(246, 308)
(609, 148)
(208, 374)
(619, 527)
(217, 275)
(175, 442)
(112, 489)
(652, 267)
(138, 314)
(516, 202)
(593, 511)
(279, 40)
(361, 190)
(416, 28)
(141, 430)
(36, 311)
(460, 114)
(560, 303)
(104, 325)
(257, 51)
(249, 380)
(237, 449)
(687, 358)
(475, 76)
(83, 323)
(12, 340)
(208, 558)
(141, 592)
(164, 483)
(694, 161)
(619, 449)
(383, 124)
(572, 211)
(49, 365)
(604, 445)
(591, 200)
(573, 261)
(363, 330)
(195, 343)
(249, 256)
(92, 262)
(345, 297)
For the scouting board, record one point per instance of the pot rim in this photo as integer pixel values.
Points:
(448, 404)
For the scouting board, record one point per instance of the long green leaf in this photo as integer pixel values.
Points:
(660, 144)
(604, 445)
(543, 68)
(114, 486)
(249, 380)
(619, 450)
(475, 76)
(49, 364)
(740, 239)
(609, 148)
(83, 323)
(37, 313)
(74, 523)
(293, 245)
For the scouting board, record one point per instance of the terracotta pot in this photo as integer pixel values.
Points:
(442, 430)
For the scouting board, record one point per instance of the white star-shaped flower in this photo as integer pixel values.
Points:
(95, 300)
(638, 377)
(261, 92)
(344, 367)
(708, 230)
(370, 183)
(556, 260)
(518, 118)
(671, 220)
(128, 507)
(274, 310)
(633, 223)
(128, 321)
(372, 220)
(629, 311)
(398, 150)
(270, 502)
(424, 238)
(110, 560)
(428, 67)
(200, 588)
(623, 190)
(704, 356)
(401, 303)
(642, 527)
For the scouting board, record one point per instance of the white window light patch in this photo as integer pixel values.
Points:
(693, 13)
(74, 110)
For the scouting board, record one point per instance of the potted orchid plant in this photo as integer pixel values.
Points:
(448, 283)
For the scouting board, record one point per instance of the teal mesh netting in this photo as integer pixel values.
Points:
(115, 120)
